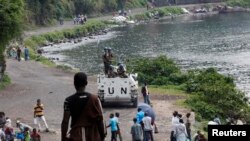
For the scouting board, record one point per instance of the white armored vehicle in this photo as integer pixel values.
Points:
(117, 88)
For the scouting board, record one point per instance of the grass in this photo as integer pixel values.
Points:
(34, 42)
(181, 103)
(161, 12)
(46, 61)
(66, 68)
(5, 82)
(241, 3)
(167, 90)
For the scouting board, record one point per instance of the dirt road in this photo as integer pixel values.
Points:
(32, 80)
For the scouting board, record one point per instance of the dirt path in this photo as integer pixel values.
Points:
(31, 80)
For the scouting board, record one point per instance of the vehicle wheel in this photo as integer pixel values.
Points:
(135, 103)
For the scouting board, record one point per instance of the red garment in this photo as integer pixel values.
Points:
(35, 136)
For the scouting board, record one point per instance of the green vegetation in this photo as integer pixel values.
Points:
(166, 90)
(210, 93)
(46, 12)
(5, 82)
(11, 15)
(159, 71)
(34, 42)
(241, 3)
(160, 12)
(64, 67)
(44, 61)
(214, 93)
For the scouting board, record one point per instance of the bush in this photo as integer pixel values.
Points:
(161, 12)
(5, 82)
(241, 3)
(157, 71)
(217, 94)
(211, 93)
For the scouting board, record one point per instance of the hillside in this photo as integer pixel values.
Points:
(45, 12)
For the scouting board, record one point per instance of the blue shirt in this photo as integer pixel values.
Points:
(26, 51)
(113, 124)
(140, 116)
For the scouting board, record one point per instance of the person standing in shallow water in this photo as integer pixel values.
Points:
(85, 112)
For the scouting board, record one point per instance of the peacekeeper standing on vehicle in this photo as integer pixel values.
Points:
(107, 59)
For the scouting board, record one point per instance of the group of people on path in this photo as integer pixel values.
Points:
(114, 126)
(181, 131)
(143, 127)
(80, 19)
(23, 132)
(18, 52)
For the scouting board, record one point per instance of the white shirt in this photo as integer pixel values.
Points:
(2, 135)
(117, 119)
(147, 123)
(175, 121)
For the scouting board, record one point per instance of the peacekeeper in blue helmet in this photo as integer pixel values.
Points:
(122, 70)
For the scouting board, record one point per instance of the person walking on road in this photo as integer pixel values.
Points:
(39, 115)
(26, 53)
(113, 125)
(117, 115)
(148, 127)
(19, 51)
(86, 114)
(136, 131)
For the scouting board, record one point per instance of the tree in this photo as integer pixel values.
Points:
(11, 16)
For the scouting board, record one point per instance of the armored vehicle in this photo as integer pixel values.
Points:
(118, 88)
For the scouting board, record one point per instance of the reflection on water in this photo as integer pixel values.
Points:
(221, 41)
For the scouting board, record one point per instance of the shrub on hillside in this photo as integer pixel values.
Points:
(158, 71)
(217, 91)
(211, 93)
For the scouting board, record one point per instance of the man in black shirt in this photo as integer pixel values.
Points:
(86, 114)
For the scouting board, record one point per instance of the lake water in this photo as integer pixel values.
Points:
(220, 41)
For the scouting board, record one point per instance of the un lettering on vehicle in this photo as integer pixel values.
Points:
(111, 90)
